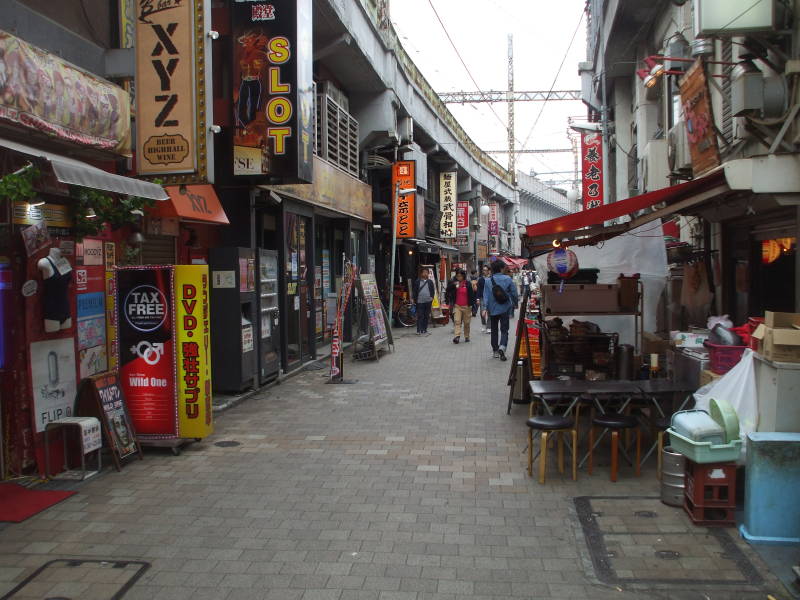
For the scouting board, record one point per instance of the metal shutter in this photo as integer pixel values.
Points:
(158, 250)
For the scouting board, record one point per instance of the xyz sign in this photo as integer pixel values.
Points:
(165, 59)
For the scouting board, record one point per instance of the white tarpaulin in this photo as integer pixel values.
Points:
(640, 251)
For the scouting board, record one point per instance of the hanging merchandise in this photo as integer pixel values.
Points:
(563, 263)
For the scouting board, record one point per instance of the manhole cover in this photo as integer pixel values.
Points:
(667, 555)
(110, 579)
(646, 514)
(227, 443)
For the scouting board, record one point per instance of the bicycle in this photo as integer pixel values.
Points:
(404, 313)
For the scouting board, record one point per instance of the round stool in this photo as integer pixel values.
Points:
(616, 423)
(547, 424)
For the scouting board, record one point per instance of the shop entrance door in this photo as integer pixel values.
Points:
(298, 272)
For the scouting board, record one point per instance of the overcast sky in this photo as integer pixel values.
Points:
(479, 29)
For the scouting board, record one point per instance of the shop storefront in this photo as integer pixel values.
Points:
(321, 225)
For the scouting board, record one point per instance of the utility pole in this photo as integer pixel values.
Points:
(510, 104)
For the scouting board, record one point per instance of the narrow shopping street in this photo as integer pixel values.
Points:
(408, 484)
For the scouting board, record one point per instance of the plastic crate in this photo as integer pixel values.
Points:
(711, 485)
(710, 516)
(723, 358)
(704, 452)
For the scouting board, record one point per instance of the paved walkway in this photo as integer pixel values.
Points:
(407, 485)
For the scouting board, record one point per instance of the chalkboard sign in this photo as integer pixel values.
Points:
(101, 396)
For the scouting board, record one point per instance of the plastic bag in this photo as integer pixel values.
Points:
(723, 320)
(738, 387)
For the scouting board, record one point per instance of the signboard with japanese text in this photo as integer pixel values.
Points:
(592, 172)
(192, 325)
(54, 215)
(273, 102)
(145, 328)
(166, 138)
(462, 223)
(41, 92)
(494, 224)
(699, 119)
(447, 204)
(404, 176)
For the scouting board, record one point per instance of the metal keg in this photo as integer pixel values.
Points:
(625, 362)
(672, 482)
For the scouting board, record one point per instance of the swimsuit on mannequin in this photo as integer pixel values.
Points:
(57, 275)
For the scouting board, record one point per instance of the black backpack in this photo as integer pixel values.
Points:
(499, 293)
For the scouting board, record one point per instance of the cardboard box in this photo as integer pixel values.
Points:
(686, 339)
(778, 344)
(654, 344)
(781, 319)
(580, 299)
(707, 376)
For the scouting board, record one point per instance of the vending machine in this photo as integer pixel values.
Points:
(163, 351)
(269, 359)
(233, 318)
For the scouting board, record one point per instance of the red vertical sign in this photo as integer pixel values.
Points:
(403, 173)
(592, 160)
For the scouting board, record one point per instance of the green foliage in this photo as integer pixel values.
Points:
(18, 186)
(116, 213)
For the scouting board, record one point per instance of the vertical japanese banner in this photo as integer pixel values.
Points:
(403, 174)
(145, 327)
(193, 352)
(447, 204)
(349, 277)
(494, 225)
(462, 223)
(592, 172)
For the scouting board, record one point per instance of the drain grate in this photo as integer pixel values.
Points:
(69, 579)
(635, 540)
(228, 444)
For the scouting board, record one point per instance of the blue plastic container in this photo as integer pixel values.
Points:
(772, 489)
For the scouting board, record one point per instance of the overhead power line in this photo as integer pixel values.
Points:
(503, 96)
(537, 151)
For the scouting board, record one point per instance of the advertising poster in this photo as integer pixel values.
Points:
(403, 174)
(93, 252)
(698, 113)
(193, 350)
(146, 353)
(273, 104)
(36, 237)
(117, 421)
(53, 380)
(592, 169)
(91, 312)
(42, 92)
(165, 84)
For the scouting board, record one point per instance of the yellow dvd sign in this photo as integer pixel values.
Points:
(193, 352)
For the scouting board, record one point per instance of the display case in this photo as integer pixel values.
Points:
(268, 316)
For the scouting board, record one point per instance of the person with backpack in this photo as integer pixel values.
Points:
(499, 296)
(485, 274)
(461, 297)
(422, 292)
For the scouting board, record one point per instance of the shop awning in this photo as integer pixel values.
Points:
(192, 203)
(589, 224)
(515, 263)
(443, 246)
(75, 172)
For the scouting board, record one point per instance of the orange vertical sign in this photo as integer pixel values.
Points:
(403, 174)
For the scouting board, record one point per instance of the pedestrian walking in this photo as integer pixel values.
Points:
(485, 274)
(461, 297)
(422, 293)
(500, 297)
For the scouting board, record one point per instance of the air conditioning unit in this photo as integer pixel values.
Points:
(327, 88)
(655, 165)
(679, 157)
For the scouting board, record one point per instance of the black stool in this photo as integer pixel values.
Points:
(615, 422)
(547, 424)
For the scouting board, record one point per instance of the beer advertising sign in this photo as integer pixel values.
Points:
(273, 99)
(166, 79)
(697, 114)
